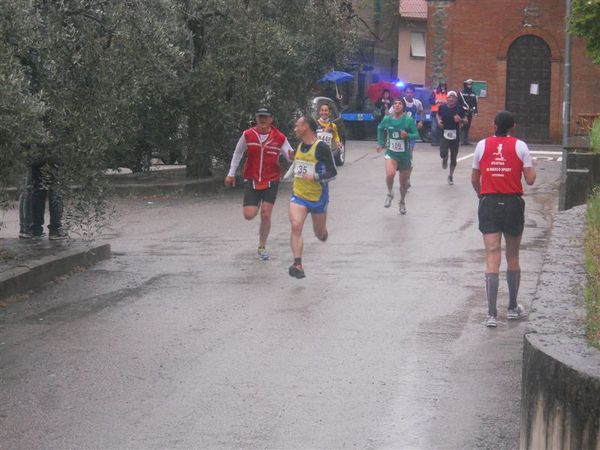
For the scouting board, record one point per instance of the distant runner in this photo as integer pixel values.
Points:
(399, 128)
(498, 164)
(264, 143)
(450, 117)
(327, 130)
(313, 169)
(414, 109)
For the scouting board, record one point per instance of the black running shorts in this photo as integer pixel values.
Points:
(254, 197)
(502, 214)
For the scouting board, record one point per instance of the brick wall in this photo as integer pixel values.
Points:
(471, 38)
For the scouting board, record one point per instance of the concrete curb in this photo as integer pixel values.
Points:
(168, 187)
(24, 278)
(560, 404)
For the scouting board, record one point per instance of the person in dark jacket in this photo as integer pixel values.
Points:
(384, 103)
(469, 101)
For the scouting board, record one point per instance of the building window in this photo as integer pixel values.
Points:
(417, 44)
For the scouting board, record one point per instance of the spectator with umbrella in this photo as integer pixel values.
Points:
(383, 94)
(336, 76)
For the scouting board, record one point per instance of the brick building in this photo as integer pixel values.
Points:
(514, 49)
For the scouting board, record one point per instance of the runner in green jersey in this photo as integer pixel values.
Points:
(398, 152)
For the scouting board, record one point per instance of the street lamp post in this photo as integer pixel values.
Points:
(566, 106)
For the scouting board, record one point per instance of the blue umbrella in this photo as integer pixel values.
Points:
(336, 76)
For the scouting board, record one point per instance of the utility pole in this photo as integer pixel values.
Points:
(566, 107)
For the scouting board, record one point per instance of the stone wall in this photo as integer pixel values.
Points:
(560, 405)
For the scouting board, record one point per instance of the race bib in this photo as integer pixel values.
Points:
(325, 137)
(302, 168)
(450, 134)
(397, 145)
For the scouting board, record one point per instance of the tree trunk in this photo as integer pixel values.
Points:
(198, 164)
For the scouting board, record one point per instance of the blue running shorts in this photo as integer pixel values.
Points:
(318, 207)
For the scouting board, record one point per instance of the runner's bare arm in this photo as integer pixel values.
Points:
(476, 180)
(529, 174)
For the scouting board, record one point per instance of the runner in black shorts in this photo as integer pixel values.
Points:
(254, 197)
(263, 144)
(499, 164)
(502, 213)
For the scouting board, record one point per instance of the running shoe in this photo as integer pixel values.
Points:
(25, 235)
(262, 254)
(445, 163)
(402, 208)
(515, 313)
(450, 180)
(491, 322)
(388, 200)
(297, 271)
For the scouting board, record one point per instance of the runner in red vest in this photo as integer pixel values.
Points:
(264, 143)
(498, 165)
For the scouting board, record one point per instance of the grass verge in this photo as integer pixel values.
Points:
(592, 262)
(595, 136)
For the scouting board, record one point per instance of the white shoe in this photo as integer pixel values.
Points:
(515, 313)
(402, 208)
(491, 322)
(388, 200)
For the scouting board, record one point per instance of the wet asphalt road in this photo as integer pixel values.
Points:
(184, 339)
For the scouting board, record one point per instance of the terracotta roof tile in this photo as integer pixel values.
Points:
(413, 9)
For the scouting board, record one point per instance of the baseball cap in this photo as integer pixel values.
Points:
(264, 111)
(451, 93)
(469, 81)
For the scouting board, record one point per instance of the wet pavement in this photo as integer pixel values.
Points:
(184, 339)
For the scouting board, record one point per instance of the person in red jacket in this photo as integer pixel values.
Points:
(499, 164)
(263, 144)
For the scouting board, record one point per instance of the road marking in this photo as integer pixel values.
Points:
(465, 157)
(543, 152)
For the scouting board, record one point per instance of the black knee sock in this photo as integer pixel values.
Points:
(491, 289)
(513, 278)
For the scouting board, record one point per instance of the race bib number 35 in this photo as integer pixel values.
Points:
(397, 145)
(450, 134)
(302, 168)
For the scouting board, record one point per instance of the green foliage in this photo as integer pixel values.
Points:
(21, 111)
(595, 136)
(585, 22)
(592, 257)
(99, 84)
(245, 53)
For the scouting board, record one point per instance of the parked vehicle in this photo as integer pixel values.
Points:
(338, 154)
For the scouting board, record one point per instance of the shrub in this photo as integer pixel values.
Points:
(592, 262)
(595, 136)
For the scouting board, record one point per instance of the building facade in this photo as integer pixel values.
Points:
(514, 50)
(412, 48)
